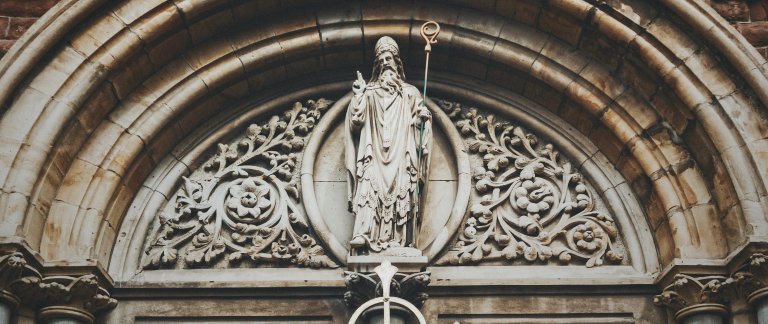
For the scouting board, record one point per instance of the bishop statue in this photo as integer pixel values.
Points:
(386, 122)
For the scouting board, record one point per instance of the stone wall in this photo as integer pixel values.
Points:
(16, 16)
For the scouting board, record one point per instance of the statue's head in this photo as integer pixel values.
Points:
(387, 58)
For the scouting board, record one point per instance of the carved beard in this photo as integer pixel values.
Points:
(390, 81)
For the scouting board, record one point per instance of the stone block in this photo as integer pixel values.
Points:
(750, 122)
(671, 109)
(601, 49)
(551, 73)
(607, 142)
(55, 73)
(667, 144)
(250, 11)
(526, 11)
(9, 147)
(563, 54)
(101, 191)
(342, 14)
(128, 12)
(665, 244)
(212, 27)
(26, 168)
(476, 21)
(694, 187)
(506, 77)
(126, 78)
(169, 48)
(637, 109)
(576, 116)
(543, 94)
(706, 67)
(158, 23)
(513, 56)
(621, 126)
(96, 107)
(120, 157)
(669, 34)
(522, 35)
(223, 72)
(635, 74)
(13, 206)
(76, 182)
(560, 25)
(100, 142)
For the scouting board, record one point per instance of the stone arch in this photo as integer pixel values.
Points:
(87, 120)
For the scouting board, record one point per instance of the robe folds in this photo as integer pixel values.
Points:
(382, 161)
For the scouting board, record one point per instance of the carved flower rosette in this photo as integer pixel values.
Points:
(244, 202)
(530, 203)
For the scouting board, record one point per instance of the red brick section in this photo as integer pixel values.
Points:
(750, 17)
(15, 18)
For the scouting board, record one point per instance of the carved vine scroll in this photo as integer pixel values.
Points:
(533, 204)
(244, 204)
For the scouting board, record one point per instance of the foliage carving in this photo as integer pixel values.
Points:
(245, 202)
(533, 204)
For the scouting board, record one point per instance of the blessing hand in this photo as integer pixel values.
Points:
(359, 85)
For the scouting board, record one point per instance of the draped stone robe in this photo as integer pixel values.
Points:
(382, 137)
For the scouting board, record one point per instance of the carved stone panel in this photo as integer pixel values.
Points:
(243, 205)
(498, 194)
(530, 203)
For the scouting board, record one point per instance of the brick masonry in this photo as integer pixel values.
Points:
(749, 17)
(16, 16)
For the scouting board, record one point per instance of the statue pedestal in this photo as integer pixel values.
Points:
(406, 259)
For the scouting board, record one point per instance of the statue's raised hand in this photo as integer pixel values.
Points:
(359, 85)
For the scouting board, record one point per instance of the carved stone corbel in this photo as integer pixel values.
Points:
(14, 269)
(362, 287)
(66, 297)
(687, 296)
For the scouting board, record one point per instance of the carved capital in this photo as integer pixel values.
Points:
(688, 295)
(751, 278)
(362, 287)
(14, 269)
(65, 296)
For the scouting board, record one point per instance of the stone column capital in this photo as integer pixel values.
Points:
(751, 278)
(14, 269)
(72, 297)
(690, 295)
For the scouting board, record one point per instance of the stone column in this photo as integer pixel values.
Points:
(66, 299)
(13, 270)
(362, 287)
(695, 300)
(752, 281)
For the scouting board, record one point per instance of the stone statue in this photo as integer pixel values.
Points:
(383, 125)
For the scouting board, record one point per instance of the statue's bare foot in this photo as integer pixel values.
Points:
(357, 242)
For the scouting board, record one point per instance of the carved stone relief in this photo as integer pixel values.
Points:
(532, 202)
(244, 203)
(529, 204)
